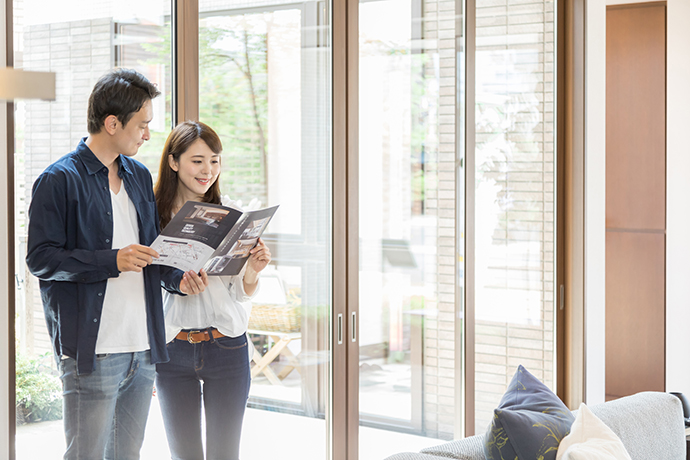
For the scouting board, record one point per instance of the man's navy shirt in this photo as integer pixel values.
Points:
(70, 251)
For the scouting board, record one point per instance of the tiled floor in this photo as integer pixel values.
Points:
(266, 434)
(384, 391)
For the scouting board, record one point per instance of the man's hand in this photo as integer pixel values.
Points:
(192, 283)
(135, 257)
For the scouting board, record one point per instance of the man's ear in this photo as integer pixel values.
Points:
(110, 124)
(173, 164)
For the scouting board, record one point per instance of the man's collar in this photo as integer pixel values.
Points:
(93, 164)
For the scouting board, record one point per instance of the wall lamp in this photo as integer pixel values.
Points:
(23, 84)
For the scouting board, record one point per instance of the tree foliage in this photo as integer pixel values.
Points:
(233, 96)
(39, 393)
(233, 82)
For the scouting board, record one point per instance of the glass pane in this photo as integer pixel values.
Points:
(79, 40)
(408, 102)
(515, 174)
(265, 86)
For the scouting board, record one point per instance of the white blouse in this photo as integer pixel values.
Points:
(223, 305)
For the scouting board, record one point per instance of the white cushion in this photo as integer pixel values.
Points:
(591, 439)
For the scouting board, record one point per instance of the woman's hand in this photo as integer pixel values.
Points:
(259, 258)
(192, 283)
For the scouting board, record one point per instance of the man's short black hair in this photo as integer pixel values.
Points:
(120, 92)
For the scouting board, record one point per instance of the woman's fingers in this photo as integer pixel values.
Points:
(192, 283)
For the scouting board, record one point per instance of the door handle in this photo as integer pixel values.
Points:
(340, 328)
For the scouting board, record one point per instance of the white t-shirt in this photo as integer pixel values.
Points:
(123, 320)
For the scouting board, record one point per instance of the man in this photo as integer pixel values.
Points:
(92, 216)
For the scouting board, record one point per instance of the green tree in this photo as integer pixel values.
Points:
(39, 393)
(233, 89)
(234, 84)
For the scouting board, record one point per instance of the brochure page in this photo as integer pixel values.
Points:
(233, 252)
(210, 236)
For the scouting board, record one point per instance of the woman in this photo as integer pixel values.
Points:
(206, 334)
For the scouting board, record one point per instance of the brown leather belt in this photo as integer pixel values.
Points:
(198, 336)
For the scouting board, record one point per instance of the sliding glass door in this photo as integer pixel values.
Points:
(79, 41)
(416, 208)
(410, 188)
(264, 85)
(514, 198)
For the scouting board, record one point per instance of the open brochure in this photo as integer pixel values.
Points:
(210, 236)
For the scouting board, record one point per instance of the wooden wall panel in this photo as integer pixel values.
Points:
(635, 319)
(636, 117)
(635, 198)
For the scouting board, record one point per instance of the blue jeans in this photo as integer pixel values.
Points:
(105, 412)
(222, 366)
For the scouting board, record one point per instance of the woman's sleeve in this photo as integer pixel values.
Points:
(236, 288)
(239, 297)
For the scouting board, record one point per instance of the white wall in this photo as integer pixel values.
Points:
(4, 263)
(677, 201)
(595, 203)
(678, 197)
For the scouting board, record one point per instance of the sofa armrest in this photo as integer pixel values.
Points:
(471, 448)
(650, 424)
(414, 456)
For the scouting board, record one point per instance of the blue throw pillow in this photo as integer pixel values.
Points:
(529, 423)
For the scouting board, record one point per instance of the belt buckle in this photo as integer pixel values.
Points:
(190, 339)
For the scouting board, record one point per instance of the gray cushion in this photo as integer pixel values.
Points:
(650, 424)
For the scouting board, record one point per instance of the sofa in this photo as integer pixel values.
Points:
(649, 424)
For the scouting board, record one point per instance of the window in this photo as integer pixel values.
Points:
(266, 85)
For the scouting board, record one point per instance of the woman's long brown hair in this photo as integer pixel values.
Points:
(178, 142)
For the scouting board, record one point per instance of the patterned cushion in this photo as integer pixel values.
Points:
(529, 423)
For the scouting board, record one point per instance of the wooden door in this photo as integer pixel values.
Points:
(635, 198)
